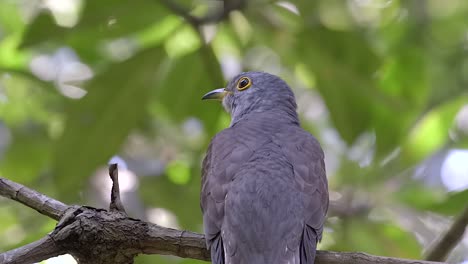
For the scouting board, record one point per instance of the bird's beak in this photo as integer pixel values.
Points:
(217, 94)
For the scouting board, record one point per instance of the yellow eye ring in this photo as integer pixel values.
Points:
(243, 83)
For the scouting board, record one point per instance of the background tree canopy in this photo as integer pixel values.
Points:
(382, 84)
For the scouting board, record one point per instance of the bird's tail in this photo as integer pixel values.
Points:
(308, 246)
(217, 250)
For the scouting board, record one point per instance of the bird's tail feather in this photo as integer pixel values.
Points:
(217, 250)
(308, 245)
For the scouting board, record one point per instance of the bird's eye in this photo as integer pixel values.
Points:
(243, 83)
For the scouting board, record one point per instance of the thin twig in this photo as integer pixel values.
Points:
(37, 201)
(115, 203)
(442, 248)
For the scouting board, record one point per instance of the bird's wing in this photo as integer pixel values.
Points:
(306, 156)
(212, 214)
(224, 157)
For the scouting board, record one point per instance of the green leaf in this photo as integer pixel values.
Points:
(182, 42)
(182, 200)
(453, 204)
(25, 98)
(405, 86)
(424, 198)
(186, 80)
(418, 196)
(98, 124)
(375, 237)
(100, 22)
(432, 131)
(344, 68)
(8, 224)
(26, 111)
(104, 19)
(27, 155)
(10, 18)
(178, 172)
(43, 29)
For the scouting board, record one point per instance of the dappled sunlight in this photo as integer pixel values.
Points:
(13, 235)
(462, 121)
(311, 106)
(193, 129)
(375, 13)
(289, 6)
(182, 42)
(262, 57)
(230, 65)
(454, 171)
(64, 69)
(362, 150)
(63, 259)
(120, 49)
(162, 217)
(65, 12)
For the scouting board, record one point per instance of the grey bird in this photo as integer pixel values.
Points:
(264, 193)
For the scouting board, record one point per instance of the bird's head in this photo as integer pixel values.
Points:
(255, 92)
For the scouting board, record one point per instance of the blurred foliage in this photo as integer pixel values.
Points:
(379, 83)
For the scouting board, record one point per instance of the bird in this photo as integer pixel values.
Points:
(264, 190)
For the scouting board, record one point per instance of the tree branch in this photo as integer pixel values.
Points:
(34, 252)
(99, 236)
(449, 240)
(331, 257)
(37, 201)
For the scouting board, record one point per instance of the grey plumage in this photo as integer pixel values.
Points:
(264, 191)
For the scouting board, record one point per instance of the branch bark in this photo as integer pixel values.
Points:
(37, 251)
(37, 201)
(440, 250)
(99, 236)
